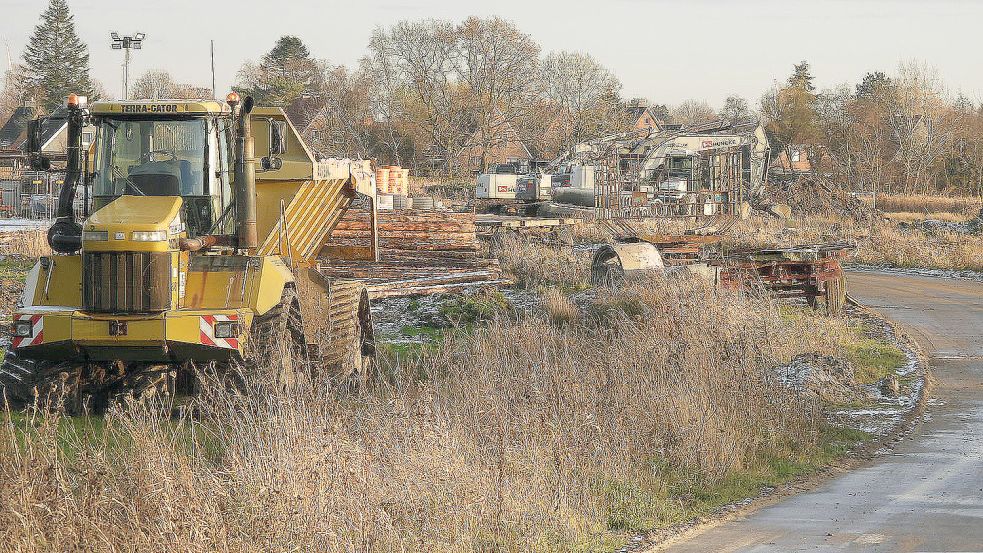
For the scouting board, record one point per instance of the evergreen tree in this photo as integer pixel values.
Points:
(56, 61)
(872, 85)
(802, 77)
(284, 73)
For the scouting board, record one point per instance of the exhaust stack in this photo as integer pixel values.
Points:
(65, 235)
(245, 175)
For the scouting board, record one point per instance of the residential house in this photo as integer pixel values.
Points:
(643, 117)
(54, 136)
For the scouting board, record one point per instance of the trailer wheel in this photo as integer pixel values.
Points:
(350, 351)
(832, 298)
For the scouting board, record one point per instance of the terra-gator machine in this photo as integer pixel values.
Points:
(194, 252)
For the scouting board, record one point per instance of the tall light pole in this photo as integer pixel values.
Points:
(126, 43)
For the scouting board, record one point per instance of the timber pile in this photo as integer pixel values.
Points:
(437, 231)
(422, 252)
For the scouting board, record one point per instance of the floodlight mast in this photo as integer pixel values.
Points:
(126, 43)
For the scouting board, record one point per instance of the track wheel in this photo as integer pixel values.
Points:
(277, 339)
(19, 378)
(350, 351)
(53, 384)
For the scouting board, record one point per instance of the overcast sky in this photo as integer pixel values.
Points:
(666, 51)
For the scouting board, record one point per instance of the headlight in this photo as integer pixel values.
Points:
(226, 329)
(95, 235)
(149, 235)
(23, 329)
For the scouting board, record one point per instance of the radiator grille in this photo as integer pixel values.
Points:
(126, 282)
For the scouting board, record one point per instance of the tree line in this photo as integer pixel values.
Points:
(900, 133)
(440, 96)
(428, 91)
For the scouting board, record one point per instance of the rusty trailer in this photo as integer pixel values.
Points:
(810, 271)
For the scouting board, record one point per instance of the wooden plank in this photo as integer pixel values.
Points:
(365, 253)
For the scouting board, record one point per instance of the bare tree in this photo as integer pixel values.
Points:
(14, 92)
(736, 108)
(833, 152)
(341, 118)
(158, 84)
(693, 111)
(966, 168)
(455, 87)
(920, 121)
(583, 96)
(498, 63)
(418, 59)
(386, 98)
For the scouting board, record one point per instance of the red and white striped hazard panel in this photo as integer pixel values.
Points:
(37, 334)
(207, 327)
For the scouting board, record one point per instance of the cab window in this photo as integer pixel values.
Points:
(151, 158)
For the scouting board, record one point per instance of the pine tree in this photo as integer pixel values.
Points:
(285, 73)
(56, 60)
(872, 85)
(802, 77)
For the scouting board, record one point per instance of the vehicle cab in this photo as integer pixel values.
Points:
(175, 148)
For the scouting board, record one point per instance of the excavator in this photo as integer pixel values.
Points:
(191, 252)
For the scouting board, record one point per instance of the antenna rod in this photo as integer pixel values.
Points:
(214, 93)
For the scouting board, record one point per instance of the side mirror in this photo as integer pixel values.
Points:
(278, 137)
(35, 132)
(34, 129)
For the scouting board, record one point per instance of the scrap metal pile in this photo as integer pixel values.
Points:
(706, 171)
(810, 271)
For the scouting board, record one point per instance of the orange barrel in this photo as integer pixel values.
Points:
(382, 180)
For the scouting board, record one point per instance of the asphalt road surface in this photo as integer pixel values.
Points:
(927, 495)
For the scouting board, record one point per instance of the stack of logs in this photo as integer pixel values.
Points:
(422, 252)
(433, 231)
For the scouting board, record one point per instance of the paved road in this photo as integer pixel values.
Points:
(928, 494)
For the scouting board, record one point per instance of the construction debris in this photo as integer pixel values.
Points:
(814, 195)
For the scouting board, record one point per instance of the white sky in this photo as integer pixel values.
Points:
(666, 51)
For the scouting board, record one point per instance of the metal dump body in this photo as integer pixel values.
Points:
(299, 203)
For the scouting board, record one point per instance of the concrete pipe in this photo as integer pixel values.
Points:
(613, 262)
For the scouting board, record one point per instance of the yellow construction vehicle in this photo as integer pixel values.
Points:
(192, 253)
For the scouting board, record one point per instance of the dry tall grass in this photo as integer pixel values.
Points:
(922, 203)
(883, 243)
(530, 263)
(27, 243)
(526, 435)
